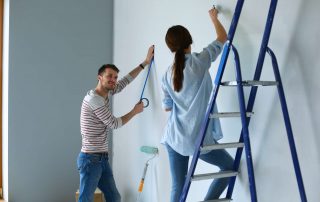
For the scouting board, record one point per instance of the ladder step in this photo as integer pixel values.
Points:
(250, 83)
(219, 200)
(222, 146)
(228, 114)
(221, 174)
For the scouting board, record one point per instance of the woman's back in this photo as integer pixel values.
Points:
(188, 106)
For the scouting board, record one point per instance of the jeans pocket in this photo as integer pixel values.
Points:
(95, 159)
(82, 164)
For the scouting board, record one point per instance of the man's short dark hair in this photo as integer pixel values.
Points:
(105, 66)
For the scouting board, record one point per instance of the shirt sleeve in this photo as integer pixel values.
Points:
(209, 54)
(122, 83)
(102, 111)
(167, 102)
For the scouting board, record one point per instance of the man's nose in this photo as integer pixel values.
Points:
(113, 79)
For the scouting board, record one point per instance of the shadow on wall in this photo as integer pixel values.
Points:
(299, 78)
(299, 73)
(306, 54)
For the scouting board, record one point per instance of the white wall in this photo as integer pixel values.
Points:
(141, 23)
(55, 49)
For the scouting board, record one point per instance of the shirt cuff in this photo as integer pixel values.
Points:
(216, 42)
(167, 104)
(214, 47)
(129, 77)
(119, 120)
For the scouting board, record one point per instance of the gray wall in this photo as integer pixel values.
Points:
(55, 49)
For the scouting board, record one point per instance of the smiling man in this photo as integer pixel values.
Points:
(95, 120)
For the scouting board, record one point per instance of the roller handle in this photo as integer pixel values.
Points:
(141, 185)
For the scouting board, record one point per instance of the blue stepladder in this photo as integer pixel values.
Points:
(245, 113)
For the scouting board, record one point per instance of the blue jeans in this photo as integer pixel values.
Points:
(95, 171)
(179, 170)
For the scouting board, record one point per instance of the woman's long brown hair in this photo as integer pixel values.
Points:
(178, 39)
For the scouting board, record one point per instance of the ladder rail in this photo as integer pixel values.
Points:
(265, 39)
(231, 33)
(246, 137)
(254, 89)
(286, 117)
(236, 165)
(213, 96)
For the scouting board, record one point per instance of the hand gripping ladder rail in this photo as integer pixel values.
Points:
(245, 113)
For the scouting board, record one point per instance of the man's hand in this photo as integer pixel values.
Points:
(134, 73)
(138, 108)
(150, 55)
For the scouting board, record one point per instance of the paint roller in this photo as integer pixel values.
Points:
(148, 150)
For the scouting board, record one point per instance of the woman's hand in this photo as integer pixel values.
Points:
(213, 14)
(220, 31)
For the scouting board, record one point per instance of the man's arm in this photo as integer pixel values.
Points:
(122, 83)
(134, 73)
(136, 110)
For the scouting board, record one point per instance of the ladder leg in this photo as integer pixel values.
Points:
(264, 43)
(236, 166)
(254, 89)
(262, 53)
(245, 130)
(288, 126)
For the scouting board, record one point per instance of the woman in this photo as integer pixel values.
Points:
(186, 87)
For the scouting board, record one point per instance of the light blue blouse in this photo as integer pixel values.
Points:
(188, 107)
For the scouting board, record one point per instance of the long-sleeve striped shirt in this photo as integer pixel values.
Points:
(96, 118)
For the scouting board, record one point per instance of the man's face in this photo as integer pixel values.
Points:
(108, 79)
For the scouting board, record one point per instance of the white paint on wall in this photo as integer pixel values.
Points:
(143, 22)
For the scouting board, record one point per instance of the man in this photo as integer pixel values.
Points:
(96, 119)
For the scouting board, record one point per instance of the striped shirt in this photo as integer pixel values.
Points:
(96, 118)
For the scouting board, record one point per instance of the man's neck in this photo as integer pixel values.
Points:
(102, 92)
